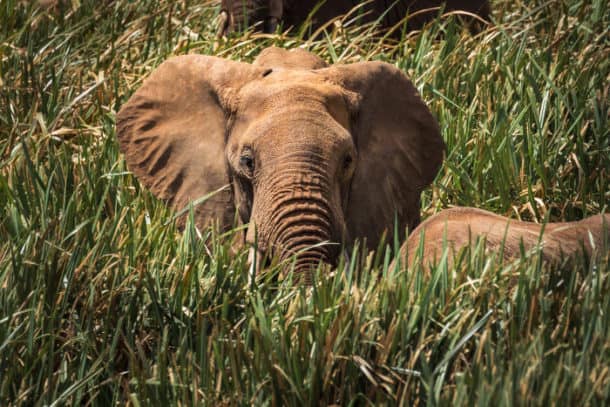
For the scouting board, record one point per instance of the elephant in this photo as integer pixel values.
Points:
(314, 156)
(236, 15)
(460, 227)
(310, 157)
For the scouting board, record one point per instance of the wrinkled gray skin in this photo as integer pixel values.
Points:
(267, 15)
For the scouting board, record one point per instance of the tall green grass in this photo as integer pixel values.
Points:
(102, 302)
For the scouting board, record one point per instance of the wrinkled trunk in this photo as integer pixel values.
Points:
(294, 215)
(303, 228)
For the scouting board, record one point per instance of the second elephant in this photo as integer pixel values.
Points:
(268, 14)
(451, 231)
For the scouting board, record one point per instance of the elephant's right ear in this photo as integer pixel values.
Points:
(172, 132)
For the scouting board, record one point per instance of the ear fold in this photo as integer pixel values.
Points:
(399, 149)
(172, 132)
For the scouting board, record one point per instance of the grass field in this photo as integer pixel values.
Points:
(103, 301)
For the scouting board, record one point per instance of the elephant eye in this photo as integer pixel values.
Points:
(247, 162)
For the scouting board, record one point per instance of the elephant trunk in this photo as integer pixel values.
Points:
(306, 235)
(297, 219)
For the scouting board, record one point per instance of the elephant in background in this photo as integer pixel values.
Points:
(312, 153)
(236, 15)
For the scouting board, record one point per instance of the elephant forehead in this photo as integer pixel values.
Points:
(291, 86)
(301, 125)
(282, 96)
(299, 130)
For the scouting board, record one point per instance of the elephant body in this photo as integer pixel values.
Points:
(457, 228)
(268, 14)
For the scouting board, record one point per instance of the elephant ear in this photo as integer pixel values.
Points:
(400, 149)
(172, 132)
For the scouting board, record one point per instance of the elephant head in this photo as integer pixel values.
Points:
(312, 153)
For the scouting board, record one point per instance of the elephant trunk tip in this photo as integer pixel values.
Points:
(302, 265)
(305, 264)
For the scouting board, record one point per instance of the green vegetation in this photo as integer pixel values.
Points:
(103, 302)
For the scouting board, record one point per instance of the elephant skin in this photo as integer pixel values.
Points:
(311, 154)
(236, 15)
(457, 228)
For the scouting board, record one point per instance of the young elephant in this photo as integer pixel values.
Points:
(236, 15)
(312, 154)
(458, 228)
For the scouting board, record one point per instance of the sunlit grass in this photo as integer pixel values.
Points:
(103, 302)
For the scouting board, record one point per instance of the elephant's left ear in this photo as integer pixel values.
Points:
(400, 149)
